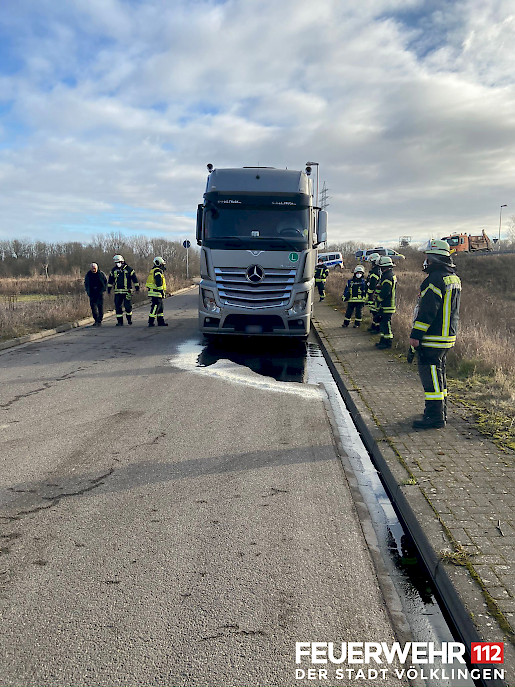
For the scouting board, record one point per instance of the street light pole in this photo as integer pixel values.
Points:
(500, 220)
(314, 164)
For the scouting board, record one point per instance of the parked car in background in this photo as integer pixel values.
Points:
(365, 254)
(334, 260)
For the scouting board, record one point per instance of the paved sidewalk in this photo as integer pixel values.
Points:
(459, 485)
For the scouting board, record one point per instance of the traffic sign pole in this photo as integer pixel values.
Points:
(187, 245)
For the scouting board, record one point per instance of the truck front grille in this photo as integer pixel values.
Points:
(273, 291)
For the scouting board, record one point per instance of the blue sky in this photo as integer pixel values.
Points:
(110, 110)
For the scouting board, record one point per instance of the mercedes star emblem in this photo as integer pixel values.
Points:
(255, 274)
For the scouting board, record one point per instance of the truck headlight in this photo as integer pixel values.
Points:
(299, 304)
(208, 299)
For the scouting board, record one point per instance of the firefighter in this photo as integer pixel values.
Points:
(354, 295)
(434, 330)
(321, 274)
(156, 285)
(122, 278)
(385, 301)
(373, 279)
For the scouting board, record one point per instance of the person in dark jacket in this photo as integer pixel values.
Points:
(385, 301)
(354, 295)
(373, 279)
(122, 278)
(321, 274)
(434, 330)
(95, 283)
(156, 285)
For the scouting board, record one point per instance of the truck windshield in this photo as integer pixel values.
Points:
(271, 224)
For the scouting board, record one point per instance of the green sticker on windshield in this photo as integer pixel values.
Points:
(293, 257)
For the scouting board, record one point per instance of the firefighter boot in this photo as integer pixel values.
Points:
(433, 417)
(129, 318)
(356, 324)
(120, 321)
(384, 343)
(151, 322)
(161, 322)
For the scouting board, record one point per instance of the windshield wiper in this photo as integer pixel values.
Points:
(289, 243)
(236, 239)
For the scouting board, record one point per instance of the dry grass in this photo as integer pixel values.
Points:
(33, 304)
(58, 285)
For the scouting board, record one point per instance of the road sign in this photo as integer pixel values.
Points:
(186, 244)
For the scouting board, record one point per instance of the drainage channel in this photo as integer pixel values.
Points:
(285, 361)
(407, 573)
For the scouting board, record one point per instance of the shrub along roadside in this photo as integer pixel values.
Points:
(481, 367)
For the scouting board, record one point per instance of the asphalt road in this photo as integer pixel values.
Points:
(168, 524)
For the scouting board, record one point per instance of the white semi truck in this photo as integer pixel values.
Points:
(258, 229)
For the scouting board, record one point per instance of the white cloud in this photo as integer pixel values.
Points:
(407, 106)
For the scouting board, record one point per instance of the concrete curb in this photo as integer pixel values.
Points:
(46, 333)
(449, 596)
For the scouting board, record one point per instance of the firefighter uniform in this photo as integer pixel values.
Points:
(156, 285)
(354, 295)
(121, 279)
(321, 274)
(373, 280)
(385, 302)
(434, 328)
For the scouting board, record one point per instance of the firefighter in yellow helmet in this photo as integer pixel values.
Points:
(156, 285)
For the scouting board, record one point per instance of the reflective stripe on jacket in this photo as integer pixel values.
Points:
(321, 273)
(373, 280)
(386, 294)
(122, 279)
(156, 283)
(437, 312)
(355, 290)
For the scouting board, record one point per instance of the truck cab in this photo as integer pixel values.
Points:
(258, 230)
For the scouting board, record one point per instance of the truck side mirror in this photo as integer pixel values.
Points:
(322, 226)
(200, 215)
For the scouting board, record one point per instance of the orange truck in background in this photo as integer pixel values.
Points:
(460, 243)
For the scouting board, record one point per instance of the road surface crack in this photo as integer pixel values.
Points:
(55, 499)
(232, 629)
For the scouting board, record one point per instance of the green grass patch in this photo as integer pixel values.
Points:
(30, 297)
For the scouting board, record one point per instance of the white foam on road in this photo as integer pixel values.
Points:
(187, 356)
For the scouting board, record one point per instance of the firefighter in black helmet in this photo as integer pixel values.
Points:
(321, 274)
(122, 278)
(156, 285)
(434, 330)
